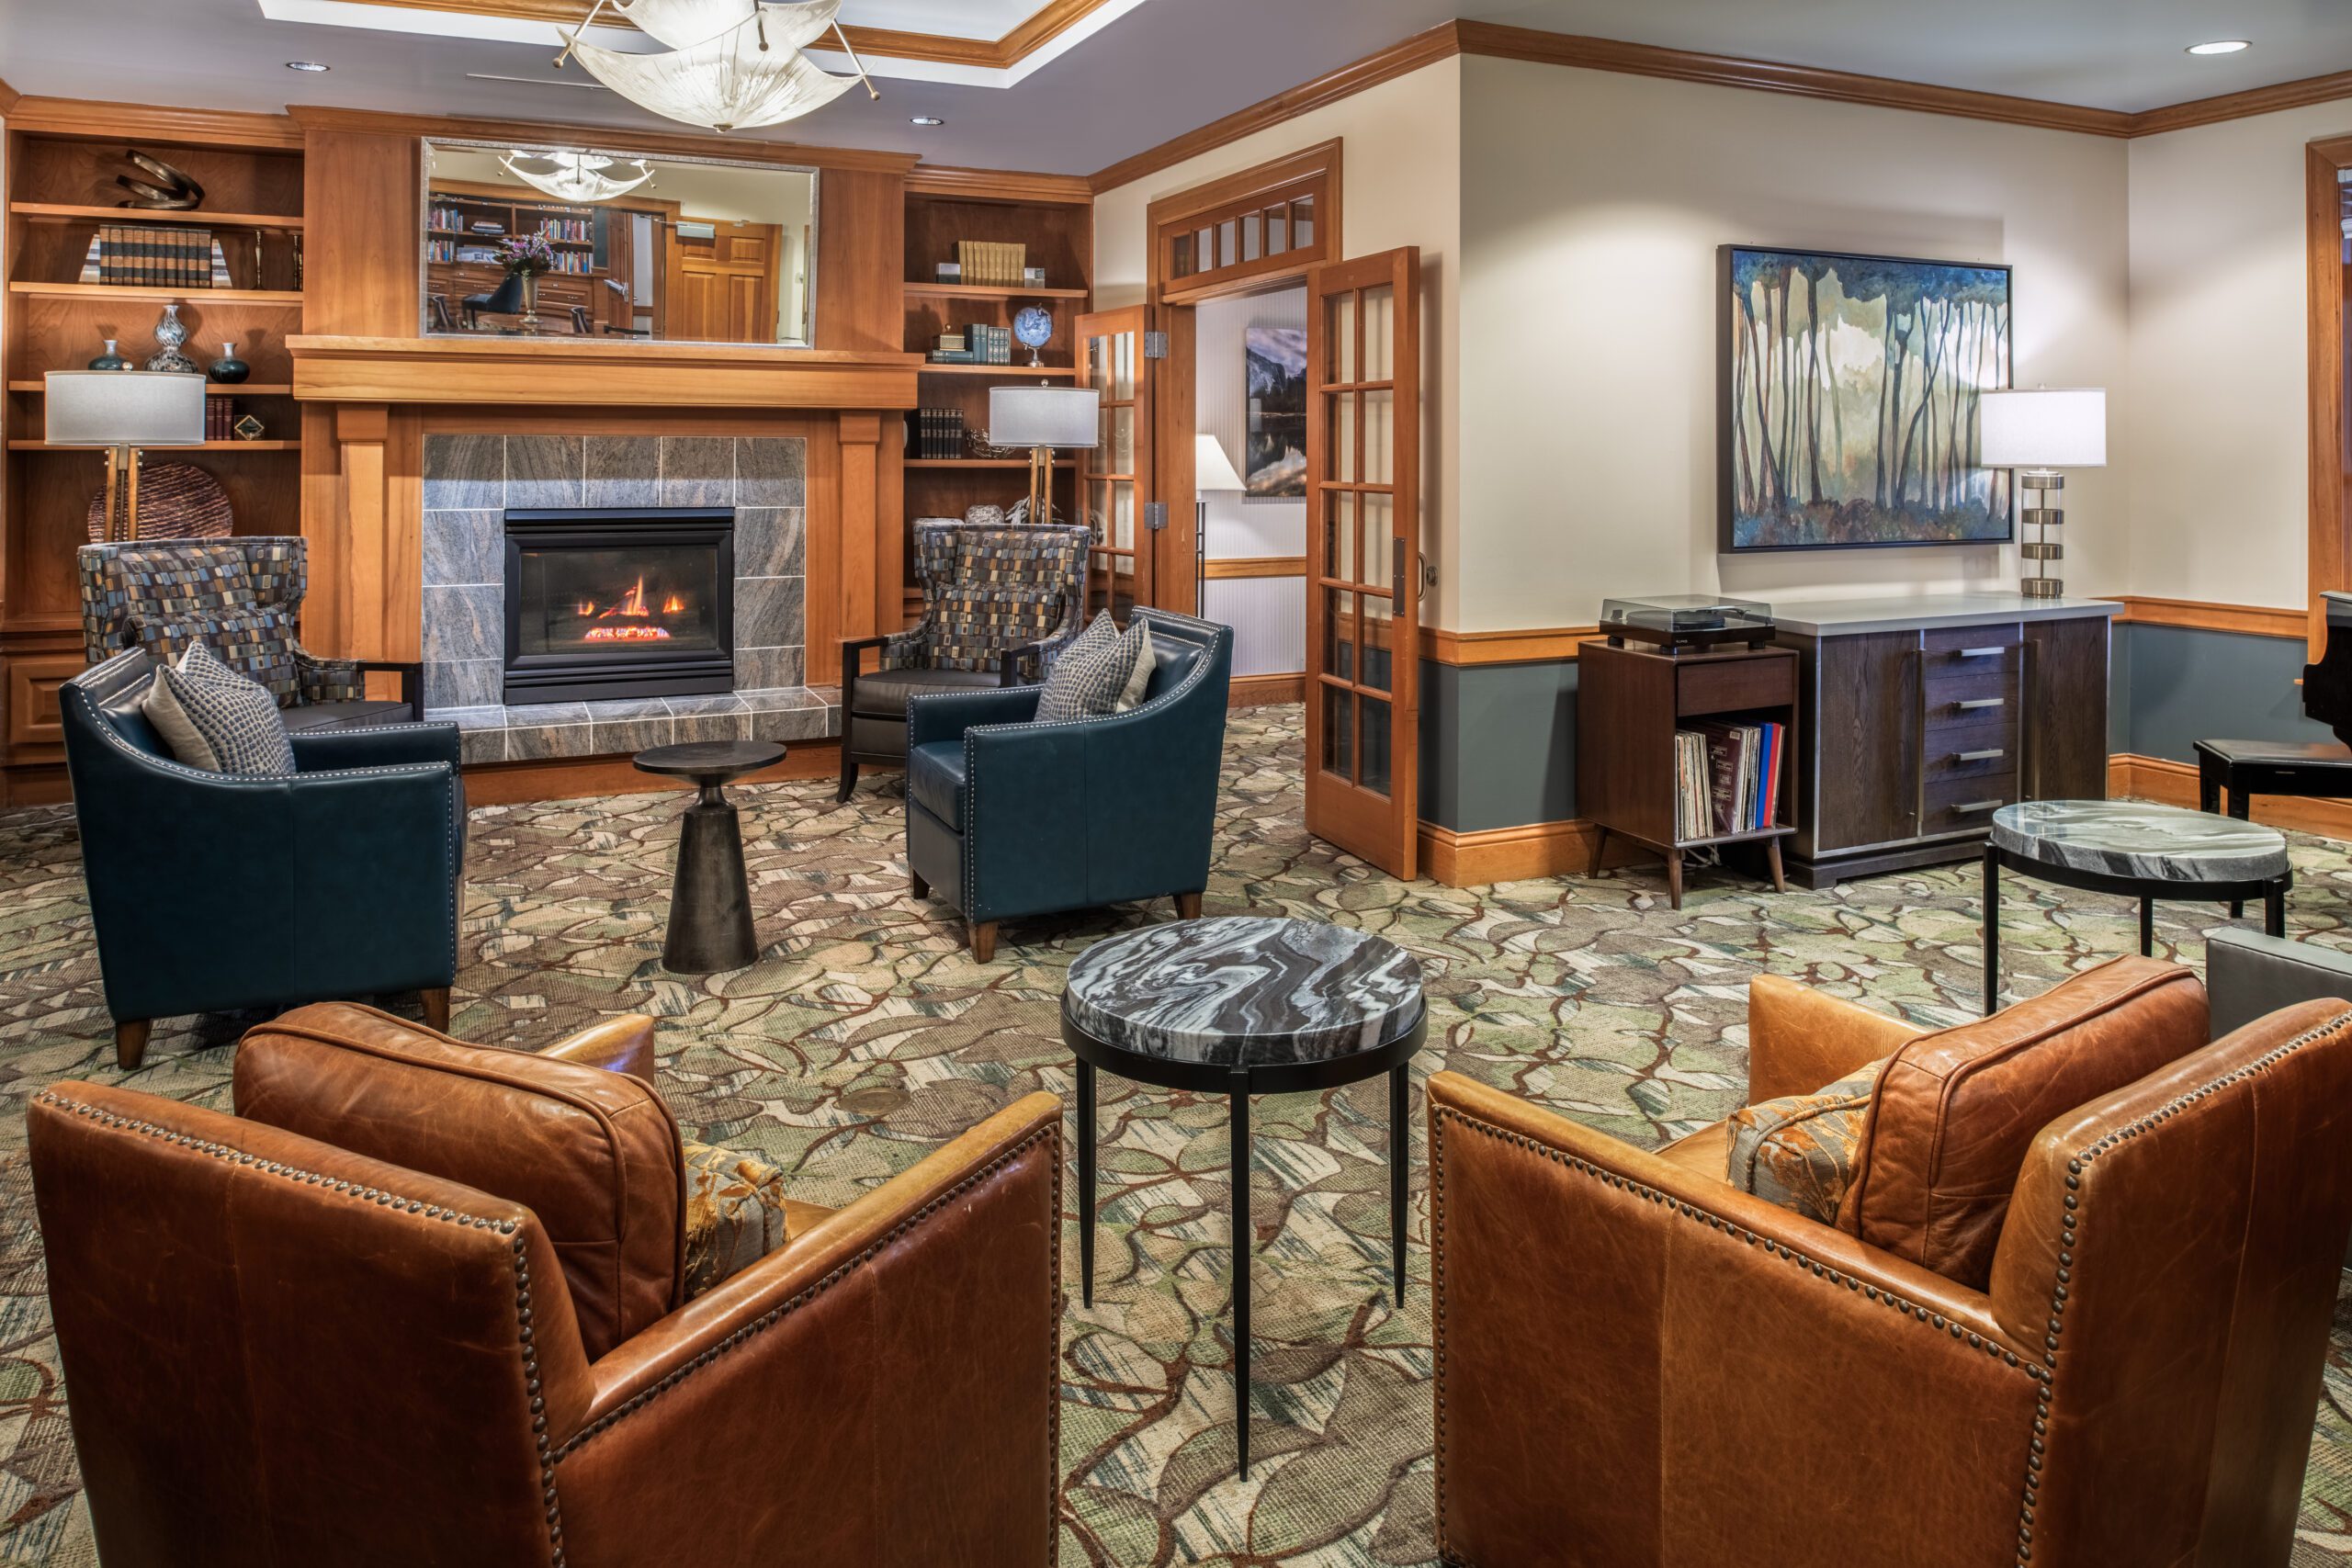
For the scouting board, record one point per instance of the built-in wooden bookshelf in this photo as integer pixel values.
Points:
(60, 191)
(1056, 227)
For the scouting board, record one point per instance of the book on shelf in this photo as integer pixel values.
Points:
(133, 255)
(939, 433)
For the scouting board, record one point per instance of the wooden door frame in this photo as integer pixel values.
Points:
(2331, 440)
(1176, 419)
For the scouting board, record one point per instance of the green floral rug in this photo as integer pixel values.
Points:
(865, 1036)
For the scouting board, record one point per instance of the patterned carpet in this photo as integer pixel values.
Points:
(866, 1035)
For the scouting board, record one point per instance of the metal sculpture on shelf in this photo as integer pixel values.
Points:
(172, 191)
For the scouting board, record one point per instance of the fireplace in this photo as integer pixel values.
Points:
(630, 602)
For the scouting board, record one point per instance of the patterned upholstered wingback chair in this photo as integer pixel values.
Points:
(243, 598)
(999, 604)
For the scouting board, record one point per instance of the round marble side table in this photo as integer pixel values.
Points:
(1240, 1007)
(2141, 851)
(710, 899)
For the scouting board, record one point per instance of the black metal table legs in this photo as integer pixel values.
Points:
(1086, 1182)
(1992, 930)
(1242, 1237)
(1400, 1165)
(710, 898)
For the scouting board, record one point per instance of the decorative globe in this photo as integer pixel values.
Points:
(1034, 327)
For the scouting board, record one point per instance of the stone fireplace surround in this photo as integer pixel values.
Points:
(469, 482)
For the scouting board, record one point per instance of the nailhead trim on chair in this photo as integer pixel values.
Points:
(1198, 673)
(1902, 1306)
(1050, 1133)
(2069, 1227)
(383, 1200)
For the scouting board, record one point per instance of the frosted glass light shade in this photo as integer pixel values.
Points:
(1211, 469)
(124, 407)
(1067, 417)
(2045, 428)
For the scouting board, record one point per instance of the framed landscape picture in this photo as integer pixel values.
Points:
(1274, 466)
(1848, 399)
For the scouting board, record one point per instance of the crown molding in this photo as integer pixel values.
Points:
(8, 97)
(1046, 24)
(201, 127)
(1499, 42)
(675, 143)
(998, 185)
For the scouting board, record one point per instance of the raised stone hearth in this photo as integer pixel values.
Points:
(545, 731)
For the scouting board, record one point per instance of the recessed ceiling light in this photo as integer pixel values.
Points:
(2219, 46)
(929, 120)
(307, 65)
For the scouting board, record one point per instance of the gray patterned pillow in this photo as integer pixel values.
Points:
(1104, 672)
(215, 719)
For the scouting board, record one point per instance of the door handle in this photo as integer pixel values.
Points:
(1979, 653)
(1994, 755)
(1982, 703)
(1972, 805)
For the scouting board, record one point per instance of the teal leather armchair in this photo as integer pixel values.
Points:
(215, 891)
(1007, 818)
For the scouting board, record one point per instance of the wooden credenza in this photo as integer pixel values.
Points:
(1918, 718)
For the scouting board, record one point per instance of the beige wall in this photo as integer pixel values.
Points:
(1592, 207)
(2216, 441)
(1403, 186)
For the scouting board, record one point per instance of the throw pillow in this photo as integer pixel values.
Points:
(1954, 1113)
(1095, 671)
(1132, 696)
(735, 1213)
(1799, 1151)
(215, 719)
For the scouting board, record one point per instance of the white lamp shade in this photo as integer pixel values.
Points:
(1067, 417)
(1211, 469)
(124, 407)
(2045, 428)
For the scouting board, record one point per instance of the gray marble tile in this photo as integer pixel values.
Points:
(802, 724)
(768, 613)
(771, 541)
(772, 470)
(828, 695)
(781, 699)
(526, 716)
(531, 743)
(486, 718)
(717, 702)
(470, 684)
(614, 712)
(482, 746)
(624, 470)
(464, 547)
(697, 470)
(631, 735)
(711, 726)
(464, 472)
(543, 470)
(464, 623)
(761, 667)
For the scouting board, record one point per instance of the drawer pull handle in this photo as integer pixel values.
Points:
(1980, 702)
(1979, 805)
(1994, 755)
(1980, 653)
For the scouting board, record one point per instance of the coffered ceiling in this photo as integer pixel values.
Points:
(1075, 85)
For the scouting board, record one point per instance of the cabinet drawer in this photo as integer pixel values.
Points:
(1724, 685)
(1966, 656)
(1954, 702)
(1956, 806)
(1972, 753)
(1961, 639)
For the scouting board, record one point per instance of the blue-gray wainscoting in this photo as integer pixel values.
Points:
(2175, 685)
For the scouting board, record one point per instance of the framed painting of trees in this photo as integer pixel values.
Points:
(1849, 400)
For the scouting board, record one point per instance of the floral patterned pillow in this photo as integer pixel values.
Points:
(735, 1213)
(1799, 1151)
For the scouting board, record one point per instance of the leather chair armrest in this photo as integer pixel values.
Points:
(883, 1389)
(2249, 976)
(623, 1044)
(1593, 1299)
(375, 746)
(1799, 1039)
(945, 715)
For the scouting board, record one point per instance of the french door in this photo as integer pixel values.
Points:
(1363, 539)
(1116, 480)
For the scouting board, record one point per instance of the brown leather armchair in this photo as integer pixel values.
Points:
(1638, 1364)
(283, 1350)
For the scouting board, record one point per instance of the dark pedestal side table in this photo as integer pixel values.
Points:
(2138, 850)
(710, 899)
(2305, 770)
(1240, 1007)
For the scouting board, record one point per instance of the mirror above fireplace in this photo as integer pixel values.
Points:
(622, 247)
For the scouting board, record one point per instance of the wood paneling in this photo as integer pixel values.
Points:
(360, 196)
(8, 97)
(1541, 645)
(156, 122)
(1537, 850)
(655, 141)
(2067, 759)
(1259, 691)
(2168, 783)
(583, 370)
(861, 239)
(1254, 566)
(35, 717)
(2330, 560)
(1864, 711)
(2253, 620)
(998, 185)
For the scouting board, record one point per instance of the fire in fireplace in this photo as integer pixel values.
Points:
(634, 601)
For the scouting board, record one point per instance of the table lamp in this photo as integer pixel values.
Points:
(1211, 475)
(124, 410)
(2037, 433)
(1042, 418)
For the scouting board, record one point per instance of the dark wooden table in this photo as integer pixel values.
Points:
(710, 898)
(1240, 1007)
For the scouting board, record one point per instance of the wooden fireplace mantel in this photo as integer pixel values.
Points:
(568, 371)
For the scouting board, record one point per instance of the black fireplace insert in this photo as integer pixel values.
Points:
(617, 603)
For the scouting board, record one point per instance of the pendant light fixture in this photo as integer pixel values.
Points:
(577, 177)
(732, 65)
